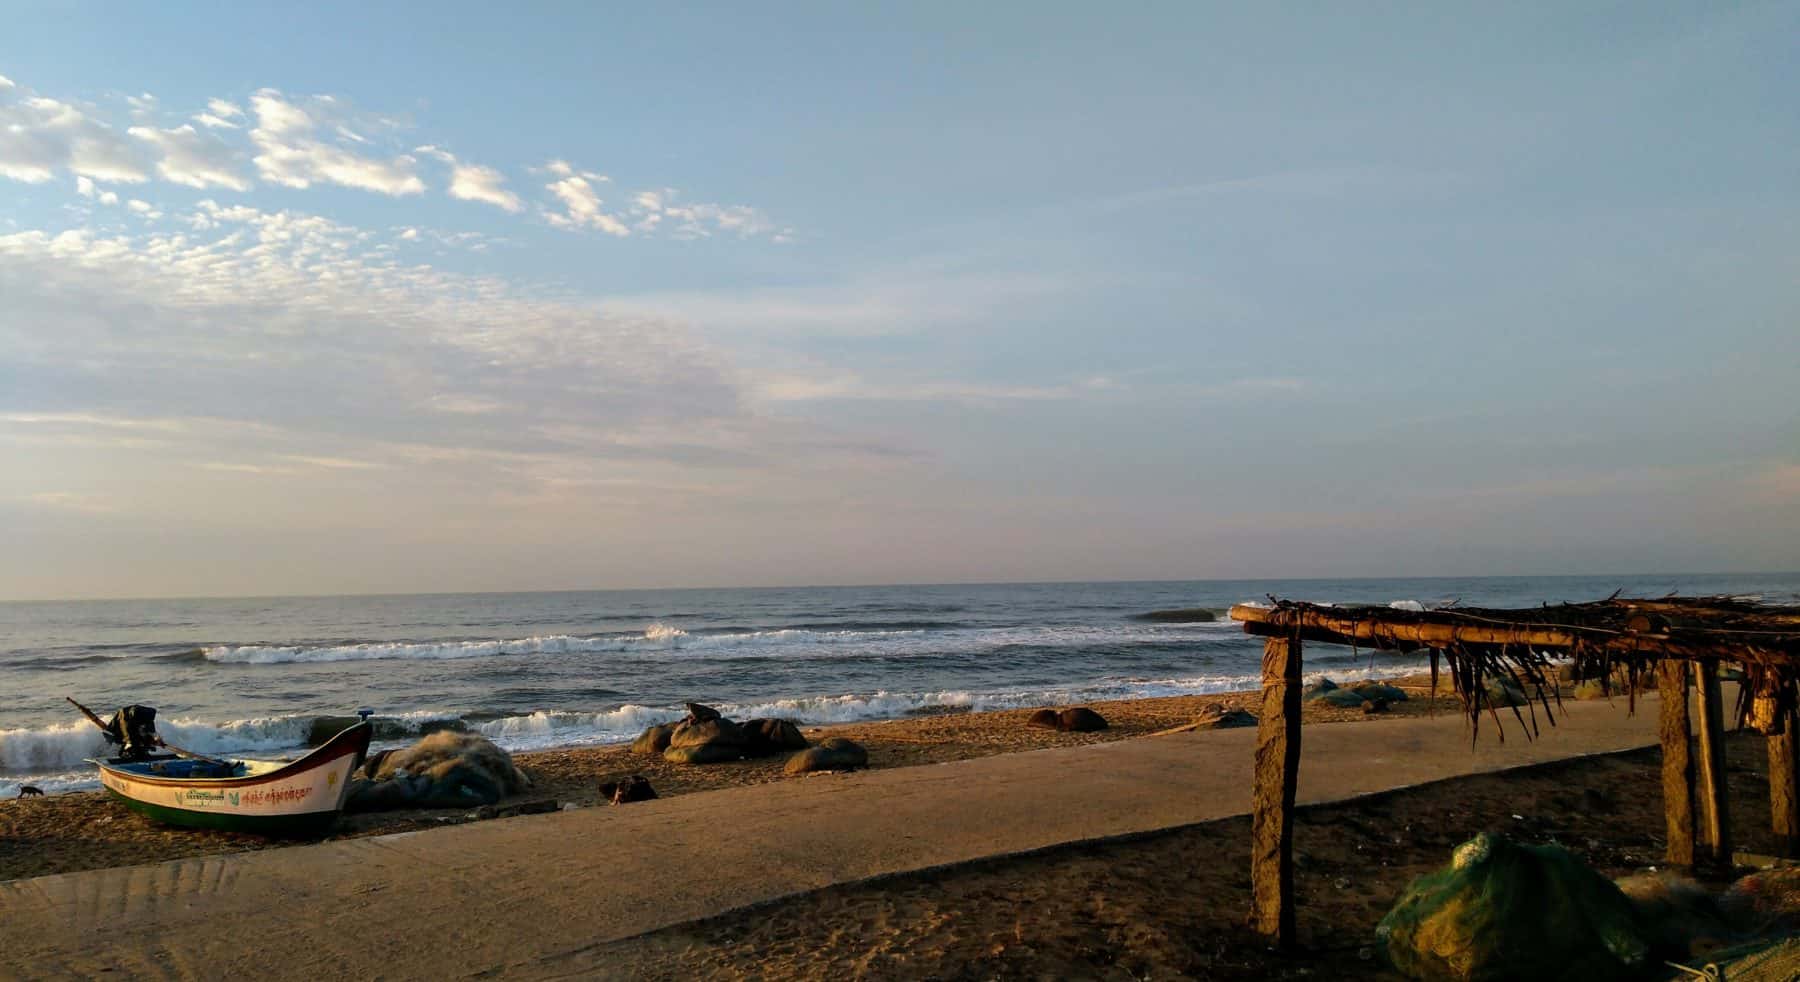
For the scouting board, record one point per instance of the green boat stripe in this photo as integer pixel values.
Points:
(307, 823)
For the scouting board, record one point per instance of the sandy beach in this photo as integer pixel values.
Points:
(888, 873)
(88, 830)
(1172, 905)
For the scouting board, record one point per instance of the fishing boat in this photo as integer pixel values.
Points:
(265, 797)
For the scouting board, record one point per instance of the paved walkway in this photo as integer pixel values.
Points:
(538, 896)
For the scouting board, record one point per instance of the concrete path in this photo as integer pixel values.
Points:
(539, 896)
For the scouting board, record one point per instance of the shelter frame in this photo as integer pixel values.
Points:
(1673, 643)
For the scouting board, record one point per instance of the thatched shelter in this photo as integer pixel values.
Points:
(1673, 640)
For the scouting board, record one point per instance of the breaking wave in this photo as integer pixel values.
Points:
(796, 641)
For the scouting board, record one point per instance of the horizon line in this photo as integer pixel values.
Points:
(875, 586)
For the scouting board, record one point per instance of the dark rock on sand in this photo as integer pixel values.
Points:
(1216, 717)
(654, 740)
(323, 728)
(1352, 696)
(627, 790)
(1080, 720)
(700, 714)
(834, 754)
(709, 741)
(704, 753)
(1373, 706)
(772, 736)
(1077, 720)
(715, 732)
(1317, 690)
(1379, 690)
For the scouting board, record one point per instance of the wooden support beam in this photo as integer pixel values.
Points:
(1784, 776)
(1715, 806)
(1445, 629)
(1677, 761)
(1272, 809)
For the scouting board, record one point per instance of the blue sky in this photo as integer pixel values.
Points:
(338, 299)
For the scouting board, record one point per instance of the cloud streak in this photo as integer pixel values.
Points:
(302, 142)
(291, 152)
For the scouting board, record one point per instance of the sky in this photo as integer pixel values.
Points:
(344, 298)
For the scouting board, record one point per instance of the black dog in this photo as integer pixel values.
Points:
(27, 791)
(633, 788)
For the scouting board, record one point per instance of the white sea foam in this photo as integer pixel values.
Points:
(49, 748)
(658, 637)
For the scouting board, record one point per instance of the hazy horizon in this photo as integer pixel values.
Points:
(347, 301)
(1672, 575)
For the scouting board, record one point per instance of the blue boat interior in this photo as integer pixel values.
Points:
(181, 767)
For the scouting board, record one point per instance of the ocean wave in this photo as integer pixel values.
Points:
(66, 745)
(51, 757)
(789, 642)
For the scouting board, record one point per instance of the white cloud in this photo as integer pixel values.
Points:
(144, 208)
(41, 136)
(582, 206)
(220, 114)
(473, 182)
(319, 348)
(84, 186)
(656, 210)
(291, 153)
(192, 158)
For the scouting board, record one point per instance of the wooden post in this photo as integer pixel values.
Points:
(1784, 808)
(1677, 761)
(1272, 810)
(1715, 809)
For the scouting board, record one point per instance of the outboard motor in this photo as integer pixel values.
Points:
(134, 730)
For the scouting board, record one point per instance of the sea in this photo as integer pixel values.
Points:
(541, 670)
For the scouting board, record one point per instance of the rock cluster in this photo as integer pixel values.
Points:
(832, 754)
(707, 737)
(1079, 719)
(1369, 696)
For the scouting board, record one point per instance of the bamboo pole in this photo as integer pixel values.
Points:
(1677, 761)
(1272, 808)
(1715, 806)
(1784, 775)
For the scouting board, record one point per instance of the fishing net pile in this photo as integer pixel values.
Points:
(1504, 910)
(444, 770)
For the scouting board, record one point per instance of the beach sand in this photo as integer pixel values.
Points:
(89, 830)
(1168, 904)
(1173, 904)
